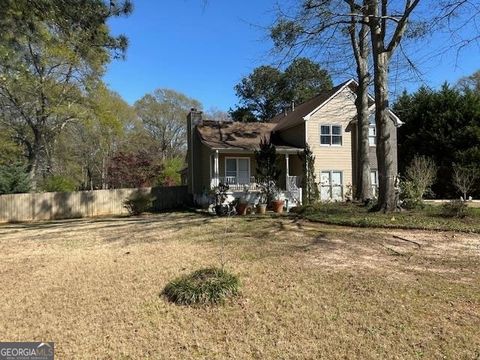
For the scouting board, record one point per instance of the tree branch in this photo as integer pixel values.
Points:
(401, 26)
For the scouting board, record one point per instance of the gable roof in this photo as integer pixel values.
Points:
(237, 135)
(302, 111)
(246, 136)
(296, 116)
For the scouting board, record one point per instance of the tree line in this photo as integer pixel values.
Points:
(61, 128)
(444, 126)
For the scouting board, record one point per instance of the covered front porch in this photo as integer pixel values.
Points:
(237, 169)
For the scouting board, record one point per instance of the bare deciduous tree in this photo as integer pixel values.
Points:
(386, 31)
(163, 114)
(361, 52)
(465, 179)
(419, 176)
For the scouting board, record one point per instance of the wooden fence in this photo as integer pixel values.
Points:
(57, 205)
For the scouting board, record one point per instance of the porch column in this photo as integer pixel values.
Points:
(287, 172)
(215, 168)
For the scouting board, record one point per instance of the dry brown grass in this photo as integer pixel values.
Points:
(308, 290)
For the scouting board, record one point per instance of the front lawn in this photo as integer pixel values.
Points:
(308, 290)
(429, 218)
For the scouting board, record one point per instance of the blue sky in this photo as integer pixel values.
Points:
(203, 51)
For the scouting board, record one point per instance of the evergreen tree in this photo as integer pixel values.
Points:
(14, 179)
(268, 172)
(267, 90)
(443, 125)
(310, 187)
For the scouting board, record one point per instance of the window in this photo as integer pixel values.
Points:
(372, 135)
(237, 170)
(372, 131)
(331, 183)
(331, 135)
(374, 182)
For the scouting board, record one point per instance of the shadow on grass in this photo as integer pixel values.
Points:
(107, 222)
(277, 239)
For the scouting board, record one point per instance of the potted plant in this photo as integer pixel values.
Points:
(241, 206)
(277, 203)
(220, 194)
(261, 208)
(262, 201)
(242, 202)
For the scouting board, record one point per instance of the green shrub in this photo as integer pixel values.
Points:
(296, 210)
(57, 183)
(138, 203)
(170, 175)
(455, 208)
(14, 179)
(413, 204)
(202, 287)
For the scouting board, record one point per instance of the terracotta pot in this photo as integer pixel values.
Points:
(242, 208)
(261, 208)
(277, 206)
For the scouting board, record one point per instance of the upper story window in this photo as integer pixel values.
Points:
(331, 135)
(372, 131)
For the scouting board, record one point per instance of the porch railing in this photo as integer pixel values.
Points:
(294, 182)
(238, 184)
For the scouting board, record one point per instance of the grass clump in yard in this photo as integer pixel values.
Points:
(455, 209)
(202, 287)
(428, 218)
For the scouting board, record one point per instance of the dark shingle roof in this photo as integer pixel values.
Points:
(237, 135)
(295, 117)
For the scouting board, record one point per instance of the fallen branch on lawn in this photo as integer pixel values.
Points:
(410, 241)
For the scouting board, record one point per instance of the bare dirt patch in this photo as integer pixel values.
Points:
(308, 290)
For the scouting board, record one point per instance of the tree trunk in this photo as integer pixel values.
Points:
(361, 50)
(377, 13)
(104, 174)
(34, 157)
(89, 178)
(386, 175)
(33, 162)
(364, 186)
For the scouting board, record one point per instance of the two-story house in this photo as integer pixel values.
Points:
(224, 151)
